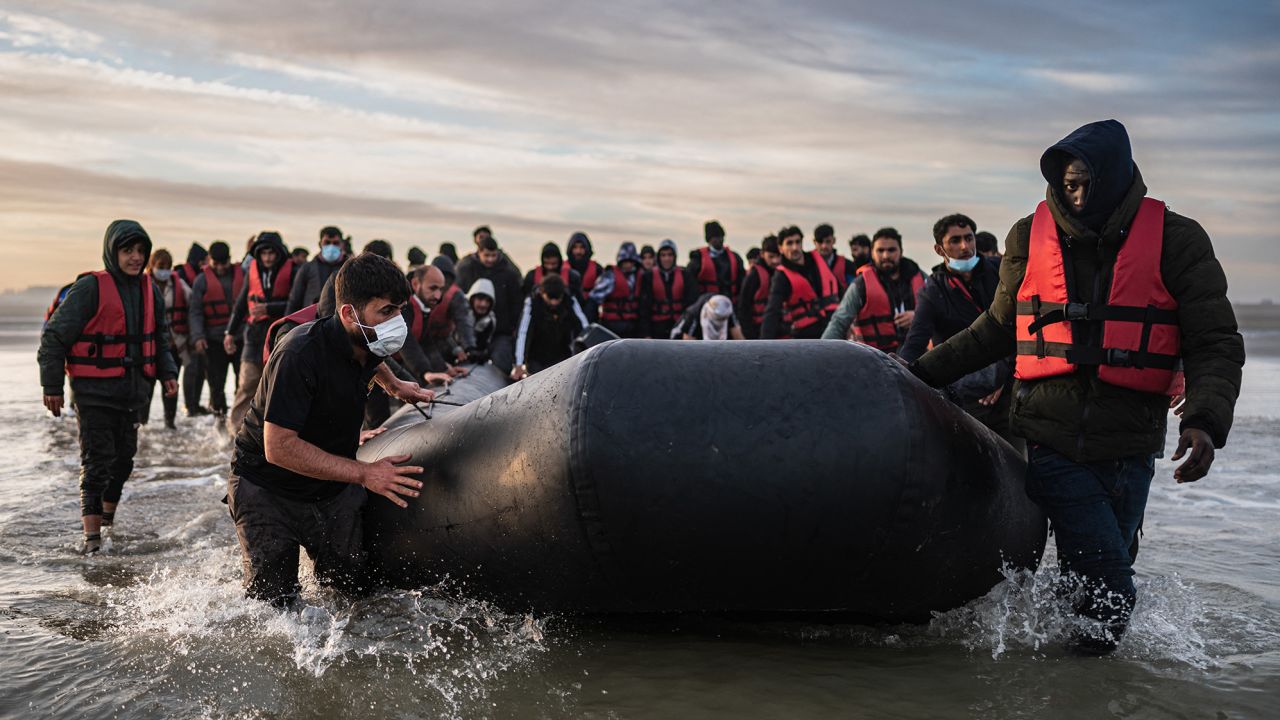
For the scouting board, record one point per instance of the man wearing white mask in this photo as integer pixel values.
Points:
(296, 481)
(710, 318)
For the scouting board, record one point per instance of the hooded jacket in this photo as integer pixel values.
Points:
(132, 391)
(1077, 415)
(508, 300)
(255, 334)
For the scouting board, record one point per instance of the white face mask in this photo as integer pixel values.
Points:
(162, 275)
(390, 334)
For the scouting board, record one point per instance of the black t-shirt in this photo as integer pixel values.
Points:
(312, 384)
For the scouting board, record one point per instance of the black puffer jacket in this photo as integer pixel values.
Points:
(133, 390)
(1079, 416)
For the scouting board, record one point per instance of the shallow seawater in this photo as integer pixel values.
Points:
(157, 626)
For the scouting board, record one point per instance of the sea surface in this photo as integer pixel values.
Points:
(157, 627)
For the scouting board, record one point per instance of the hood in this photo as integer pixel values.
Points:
(551, 250)
(483, 286)
(269, 239)
(196, 254)
(416, 256)
(628, 252)
(446, 268)
(669, 243)
(580, 237)
(120, 233)
(1104, 148)
(450, 251)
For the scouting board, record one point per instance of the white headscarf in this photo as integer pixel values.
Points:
(715, 318)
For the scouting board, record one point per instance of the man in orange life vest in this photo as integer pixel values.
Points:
(552, 262)
(881, 301)
(215, 288)
(755, 289)
(580, 252)
(262, 301)
(1104, 293)
(717, 269)
(824, 248)
(666, 290)
(619, 289)
(176, 296)
(109, 335)
(802, 293)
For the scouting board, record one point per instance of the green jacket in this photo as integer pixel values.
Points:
(1077, 415)
(133, 390)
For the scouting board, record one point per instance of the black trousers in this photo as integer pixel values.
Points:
(216, 363)
(272, 528)
(193, 380)
(108, 442)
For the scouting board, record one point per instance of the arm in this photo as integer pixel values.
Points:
(779, 291)
(842, 319)
(464, 326)
(285, 449)
(990, 337)
(238, 311)
(1212, 348)
(604, 286)
(305, 276)
(195, 312)
(166, 368)
(746, 302)
(522, 333)
(60, 333)
(917, 342)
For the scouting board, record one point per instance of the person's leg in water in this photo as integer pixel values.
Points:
(193, 374)
(98, 451)
(126, 441)
(216, 363)
(335, 542)
(171, 403)
(267, 528)
(1094, 510)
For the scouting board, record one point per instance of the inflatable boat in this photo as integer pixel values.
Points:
(650, 476)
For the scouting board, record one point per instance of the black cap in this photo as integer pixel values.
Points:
(220, 252)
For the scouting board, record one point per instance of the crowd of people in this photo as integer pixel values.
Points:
(1105, 299)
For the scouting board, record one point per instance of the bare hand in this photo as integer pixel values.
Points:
(519, 372)
(367, 435)
(53, 403)
(993, 398)
(460, 355)
(411, 392)
(170, 387)
(1201, 457)
(437, 378)
(229, 344)
(903, 319)
(390, 480)
(458, 372)
(1178, 404)
(200, 346)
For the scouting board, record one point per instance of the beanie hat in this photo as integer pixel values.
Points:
(416, 256)
(445, 266)
(220, 252)
(713, 229)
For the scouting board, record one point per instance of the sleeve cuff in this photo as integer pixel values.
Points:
(53, 390)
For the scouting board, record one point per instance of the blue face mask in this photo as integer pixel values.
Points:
(966, 265)
(330, 253)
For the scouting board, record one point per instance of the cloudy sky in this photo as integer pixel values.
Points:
(416, 121)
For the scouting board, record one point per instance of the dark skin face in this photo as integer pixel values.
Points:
(792, 247)
(551, 264)
(716, 243)
(886, 253)
(1075, 185)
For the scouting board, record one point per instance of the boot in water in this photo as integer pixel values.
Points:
(92, 544)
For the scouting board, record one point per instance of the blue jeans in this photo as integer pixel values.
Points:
(1095, 510)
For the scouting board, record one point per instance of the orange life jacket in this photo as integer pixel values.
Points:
(279, 287)
(622, 304)
(668, 302)
(589, 276)
(805, 307)
(217, 306)
(874, 324)
(708, 280)
(840, 269)
(1141, 341)
(440, 321)
(281, 327)
(100, 350)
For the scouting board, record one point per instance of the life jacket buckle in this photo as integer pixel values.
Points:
(1119, 358)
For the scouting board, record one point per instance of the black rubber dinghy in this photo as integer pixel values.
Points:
(740, 477)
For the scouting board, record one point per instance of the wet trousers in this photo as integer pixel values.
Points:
(1095, 511)
(250, 374)
(272, 528)
(108, 442)
(193, 372)
(216, 362)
